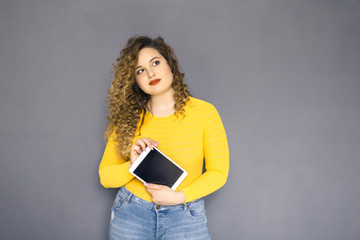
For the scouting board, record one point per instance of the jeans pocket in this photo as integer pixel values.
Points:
(120, 201)
(197, 209)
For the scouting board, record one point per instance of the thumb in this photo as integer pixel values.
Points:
(153, 186)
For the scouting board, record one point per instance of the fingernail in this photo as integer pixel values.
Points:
(146, 184)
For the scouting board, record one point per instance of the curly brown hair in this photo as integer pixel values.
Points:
(125, 99)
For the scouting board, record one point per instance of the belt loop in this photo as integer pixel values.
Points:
(186, 206)
(128, 198)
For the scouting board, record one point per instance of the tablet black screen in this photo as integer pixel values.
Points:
(156, 168)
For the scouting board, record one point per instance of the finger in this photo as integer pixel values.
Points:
(150, 191)
(137, 149)
(154, 143)
(141, 144)
(135, 153)
(148, 142)
(153, 186)
(151, 143)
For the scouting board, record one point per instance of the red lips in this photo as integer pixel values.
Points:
(154, 82)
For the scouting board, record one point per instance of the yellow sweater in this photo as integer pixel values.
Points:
(187, 141)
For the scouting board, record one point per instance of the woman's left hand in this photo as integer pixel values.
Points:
(163, 195)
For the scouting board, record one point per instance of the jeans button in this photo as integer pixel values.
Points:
(157, 207)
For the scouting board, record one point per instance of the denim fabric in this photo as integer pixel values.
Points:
(134, 218)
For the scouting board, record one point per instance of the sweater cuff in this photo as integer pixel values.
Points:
(188, 197)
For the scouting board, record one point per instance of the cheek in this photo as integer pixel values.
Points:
(169, 74)
(142, 83)
(139, 81)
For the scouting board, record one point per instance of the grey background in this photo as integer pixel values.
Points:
(283, 74)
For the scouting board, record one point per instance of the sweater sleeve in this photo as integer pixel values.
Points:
(113, 169)
(216, 153)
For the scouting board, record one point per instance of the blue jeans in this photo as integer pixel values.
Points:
(135, 218)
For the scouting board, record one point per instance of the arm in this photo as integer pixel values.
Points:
(113, 169)
(216, 152)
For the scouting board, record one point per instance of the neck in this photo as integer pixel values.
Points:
(162, 105)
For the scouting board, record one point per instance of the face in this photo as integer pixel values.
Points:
(152, 73)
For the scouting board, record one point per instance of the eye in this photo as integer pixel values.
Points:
(140, 71)
(155, 63)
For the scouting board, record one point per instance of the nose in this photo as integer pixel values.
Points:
(150, 73)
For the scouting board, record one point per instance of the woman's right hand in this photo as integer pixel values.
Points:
(140, 146)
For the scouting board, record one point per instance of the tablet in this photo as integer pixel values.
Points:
(153, 166)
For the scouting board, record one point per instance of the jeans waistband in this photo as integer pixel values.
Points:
(130, 197)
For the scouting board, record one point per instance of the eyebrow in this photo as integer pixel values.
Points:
(149, 61)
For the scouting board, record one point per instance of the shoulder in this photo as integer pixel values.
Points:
(200, 105)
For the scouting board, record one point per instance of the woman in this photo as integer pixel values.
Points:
(149, 105)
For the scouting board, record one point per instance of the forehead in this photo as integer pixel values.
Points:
(146, 54)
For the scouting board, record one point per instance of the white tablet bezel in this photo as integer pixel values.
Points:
(142, 157)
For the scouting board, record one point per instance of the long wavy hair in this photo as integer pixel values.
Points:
(126, 101)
